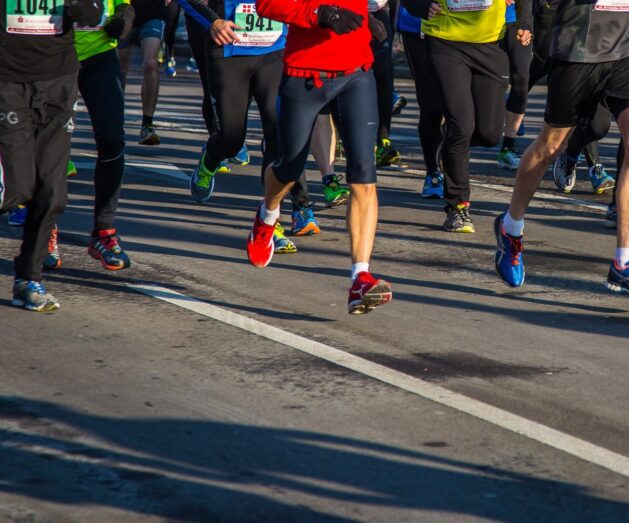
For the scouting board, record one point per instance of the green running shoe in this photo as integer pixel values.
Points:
(333, 192)
(71, 169)
(386, 154)
(202, 182)
(282, 244)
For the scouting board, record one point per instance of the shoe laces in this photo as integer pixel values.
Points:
(109, 241)
(517, 248)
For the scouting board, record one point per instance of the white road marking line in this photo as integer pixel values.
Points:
(166, 169)
(501, 418)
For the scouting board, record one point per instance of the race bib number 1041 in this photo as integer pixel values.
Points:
(34, 17)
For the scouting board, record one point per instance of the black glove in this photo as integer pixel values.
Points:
(120, 23)
(340, 20)
(85, 13)
(377, 28)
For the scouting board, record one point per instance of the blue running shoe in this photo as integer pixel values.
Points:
(521, 130)
(433, 185)
(202, 182)
(17, 216)
(170, 68)
(242, 156)
(601, 181)
(509, 262)
(304, 223)
(618, 278)
(32, 296)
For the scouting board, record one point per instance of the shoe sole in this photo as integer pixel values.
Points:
(389, 162)
(605, 186)
(468, 229)
(150, 140)
(339, 201)
(96, 255)
(614, 287)
(16, 224)
(380, 294)
(503, 165)
(431, 196)
(308, 230)
(47, 307)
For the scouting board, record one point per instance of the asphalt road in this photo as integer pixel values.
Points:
(193, 387)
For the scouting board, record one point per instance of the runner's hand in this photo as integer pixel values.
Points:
(120, 23)
(434, 10)
(85, 13)
(340, 20)
(222, 32)
(524, 36)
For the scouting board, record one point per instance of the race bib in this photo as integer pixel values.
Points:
(34, 17)
(468, 5)
(255, 31)
(612, 5)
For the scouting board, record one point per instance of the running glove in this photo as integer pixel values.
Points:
(85, 13)
(120, 23)
(377, 28)
(340, 20)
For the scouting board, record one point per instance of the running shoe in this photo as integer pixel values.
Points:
(458, 219)
(367, 293)
(601, 181)
(564, 173)
(148, 135)
(386, 154)
(611, 216)
(521, 130)
(242, 156)
(191, 65)
(170, 68)
(282, 244)
(224, 168)
(508, 159)
(433, 185)
(303, 222)
(399, 103)
(260, 243)
(618, 278)
(31, 295)
(509, 262)
(71, 171)
(161, 55)
(52, 260)
(334, 193)
(202, 182)
(105, 247)
(17, 216)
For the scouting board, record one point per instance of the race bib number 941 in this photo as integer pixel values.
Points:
(255, 31)
(34, 17)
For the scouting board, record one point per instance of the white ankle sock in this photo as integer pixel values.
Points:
(358, 268)
(622, 256)
(269, 217)
(511, 226)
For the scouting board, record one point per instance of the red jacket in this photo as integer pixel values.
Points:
(311, 48)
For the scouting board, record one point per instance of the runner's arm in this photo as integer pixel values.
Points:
(419, 8)
(302, 14)
(199, 11)
(524, 15)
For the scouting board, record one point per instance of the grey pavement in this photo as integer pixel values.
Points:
(120, 407)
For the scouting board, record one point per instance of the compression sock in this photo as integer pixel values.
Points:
(513, 227)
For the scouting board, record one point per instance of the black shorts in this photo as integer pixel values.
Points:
(575, 90)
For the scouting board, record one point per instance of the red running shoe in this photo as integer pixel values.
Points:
(367, 293)
(260, 243)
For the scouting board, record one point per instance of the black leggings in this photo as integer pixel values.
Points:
(588, 133)
(471, 80)
(519, 64)
(198, 41)
(383, 72)
(428, 99)
(100, 84)
(170, 31)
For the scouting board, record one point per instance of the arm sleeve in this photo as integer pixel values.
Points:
(524, 14)
(418, 8)
(199, 11)
(301, 13)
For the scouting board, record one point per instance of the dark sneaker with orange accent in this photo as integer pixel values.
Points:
(105, 247)
(52, 260)
(618, 277)
(508, 259)
(260, 243)
(367, 293)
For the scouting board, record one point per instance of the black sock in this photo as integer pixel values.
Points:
(508, 143)
(147, 120)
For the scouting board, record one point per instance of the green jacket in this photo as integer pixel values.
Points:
(94, 40)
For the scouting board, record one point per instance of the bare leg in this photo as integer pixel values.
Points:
(512, 124)
(125, 58)
(622, 193)
(150, 84)
(533, 165)
(274, 190)
(362, 219)
(323, 144)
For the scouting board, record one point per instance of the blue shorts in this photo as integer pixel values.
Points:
(298, 104)
(151, 29)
